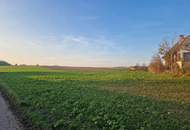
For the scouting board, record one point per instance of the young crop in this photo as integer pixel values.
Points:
(106, 100)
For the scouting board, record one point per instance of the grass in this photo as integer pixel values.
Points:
(111, 100)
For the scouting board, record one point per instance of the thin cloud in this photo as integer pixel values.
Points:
(67, 50)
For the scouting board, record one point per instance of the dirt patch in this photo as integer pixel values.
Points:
(7, 120)
(157, 93)
(70, 68)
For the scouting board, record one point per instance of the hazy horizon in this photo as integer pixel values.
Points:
(101, 33)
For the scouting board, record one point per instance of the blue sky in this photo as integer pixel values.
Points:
(88, 32)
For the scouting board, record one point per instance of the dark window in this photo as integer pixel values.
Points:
(186, 46)
(186, 56)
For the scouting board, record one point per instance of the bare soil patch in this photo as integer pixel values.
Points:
(7, 120)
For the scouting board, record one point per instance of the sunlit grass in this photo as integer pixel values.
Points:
(114, 99)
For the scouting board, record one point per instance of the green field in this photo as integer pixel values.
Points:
(114, 99)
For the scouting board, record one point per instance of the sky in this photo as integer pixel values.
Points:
(98, 33)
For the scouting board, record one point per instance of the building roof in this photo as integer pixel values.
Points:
(181, 44)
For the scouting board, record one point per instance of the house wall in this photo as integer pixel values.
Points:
(182, 54)
(184, 64)
(179, 63)
(175, 57)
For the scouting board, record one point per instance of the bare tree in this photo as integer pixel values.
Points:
(156, 65)
(166, 44)
(164, 47)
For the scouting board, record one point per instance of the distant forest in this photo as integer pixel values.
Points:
(4, 63)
